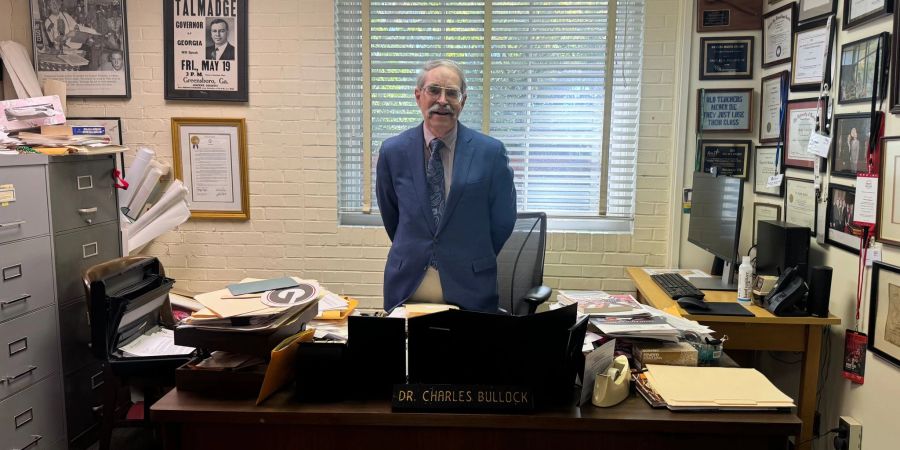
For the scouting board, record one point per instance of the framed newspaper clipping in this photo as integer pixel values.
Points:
(206, 50)
(83, 44)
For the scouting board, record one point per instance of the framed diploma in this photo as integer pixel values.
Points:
(771, 96)
(721, 110)
(83, 44)
(210, 157)
(766, 165)
(887, 226)
(840, 230)
(812, 56)
(884, 313)
(800, 203)
(850, 143)
(857, 82)
(206, 50)
(764, 211)
(778, 30)
(725, 157)
(858, 12)
(728, 58)
(800, 124)
(816, 9)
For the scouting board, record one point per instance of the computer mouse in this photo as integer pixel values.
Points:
(692, 302)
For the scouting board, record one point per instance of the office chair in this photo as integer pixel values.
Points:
(520, 266)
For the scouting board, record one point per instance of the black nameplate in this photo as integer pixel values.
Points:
(462, 398)
(716, 18)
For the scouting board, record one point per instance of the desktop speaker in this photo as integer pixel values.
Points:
(377, 355)
(819, 291)
(781, 245)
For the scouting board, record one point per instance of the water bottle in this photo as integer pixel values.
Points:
(745, 281)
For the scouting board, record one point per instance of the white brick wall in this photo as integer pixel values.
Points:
(292, 138)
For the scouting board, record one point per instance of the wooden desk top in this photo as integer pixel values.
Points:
(657, 298)
(633, 414)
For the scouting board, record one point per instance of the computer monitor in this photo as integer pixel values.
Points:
(715, 224)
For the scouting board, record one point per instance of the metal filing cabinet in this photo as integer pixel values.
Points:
(85, 228)
(31, 410)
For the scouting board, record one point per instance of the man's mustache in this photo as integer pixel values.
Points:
(442, 109)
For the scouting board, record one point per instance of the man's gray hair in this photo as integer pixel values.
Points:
(434, 64)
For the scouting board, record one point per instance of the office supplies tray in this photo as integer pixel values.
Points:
(220, 383)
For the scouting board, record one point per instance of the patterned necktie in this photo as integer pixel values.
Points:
(434, 175)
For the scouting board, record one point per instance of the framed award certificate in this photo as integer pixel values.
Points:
(887, 227)
(778, 30)
(800, 203)
(771, 108)
(766, 165)
(764, 211)
(858, 12)
(728, 58)
(799, 126)
(810, 64)
(816, 9)
(725, 157)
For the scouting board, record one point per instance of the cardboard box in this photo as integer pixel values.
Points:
(26, 113)
(668, 353)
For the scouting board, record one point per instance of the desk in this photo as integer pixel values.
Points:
(192, 421)
(764, 331)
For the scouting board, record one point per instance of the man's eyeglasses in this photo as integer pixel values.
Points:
(434, 90)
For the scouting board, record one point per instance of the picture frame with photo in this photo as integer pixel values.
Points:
(772, 93)
(803, 117)
(887, 225)
(725, 110)
(726, 58)
(814, 10)
(778, 28)
(840, 231)
(884, 313)
(858, 69)
(766, 164)
(764, 211)
(858, 12)
(800, 203)
(728, 157)
(850, 144)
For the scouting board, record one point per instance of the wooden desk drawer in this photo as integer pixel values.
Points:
(27, 216)
(80, 250)
(84, 399)
(29, 350)
(82, 193)
(33, 416)
(75, 336)
(25, 274)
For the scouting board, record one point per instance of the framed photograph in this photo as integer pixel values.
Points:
(112, 127)
(764, 211)
(884, 312)
(840, 230)
(802, 117)
(772, 92)
(856, 84)
(84, 44)
(726, 157)
(850, 143)
(858, 12)
(206, 55)
(210, 157)
(812, 56)
(765, 165)
(777, 35)
(800, 203)
(816, 9)
(724, 110)
(887, 226)
(726, 58)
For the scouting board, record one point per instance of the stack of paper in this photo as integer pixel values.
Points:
(720, 388)
(158, 342)
(599, 303)
(637, 328)
(221, 305)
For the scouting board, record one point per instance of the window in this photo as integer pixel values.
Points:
(553, 80)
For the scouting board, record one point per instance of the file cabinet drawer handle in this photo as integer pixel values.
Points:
(89, 250)
(87, 214)
(85, 182)
(30, 369)
(34, 440)
(23, 418)
(18, 346)
(5, 303)
(94, 383)
(12, 224)
(12, 272)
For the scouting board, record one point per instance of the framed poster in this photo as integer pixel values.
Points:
(764, 211)
(800, 203)
(726, 58)
(765, 165)
(812, 56)
(83, 44)
(887, 226)
(777, 35)
(726, 157)
(816, 9)
(771, 97)
(206, 51)
(840, 230)
(800, 124)
(722, 110)
(849, 147)
(857, 82)
(858, 12)
(884, 312)
(210, 157)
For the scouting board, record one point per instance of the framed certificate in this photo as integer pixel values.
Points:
(857, 82)
(764, 211)
(887, 227)
(840, 230)
(771, 108)
(728, 58)
(850, 144)
(816, 9)
(721, 110)
(725, 157)
(778, 30)
(800, 203)
(812, 56)
(800, 124)
(884, 313)
(858, 12)
(765, 165)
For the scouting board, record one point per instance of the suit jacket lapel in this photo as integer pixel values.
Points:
(417, 159)
(461, 162)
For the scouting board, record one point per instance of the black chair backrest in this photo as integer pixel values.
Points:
(520, 264)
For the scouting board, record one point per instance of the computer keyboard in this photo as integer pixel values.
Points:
(676, 286)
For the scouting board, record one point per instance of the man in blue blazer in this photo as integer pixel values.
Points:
(447, 199)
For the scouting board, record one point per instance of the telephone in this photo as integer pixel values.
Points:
(787, 294)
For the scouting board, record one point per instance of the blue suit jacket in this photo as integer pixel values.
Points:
(479, 216)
